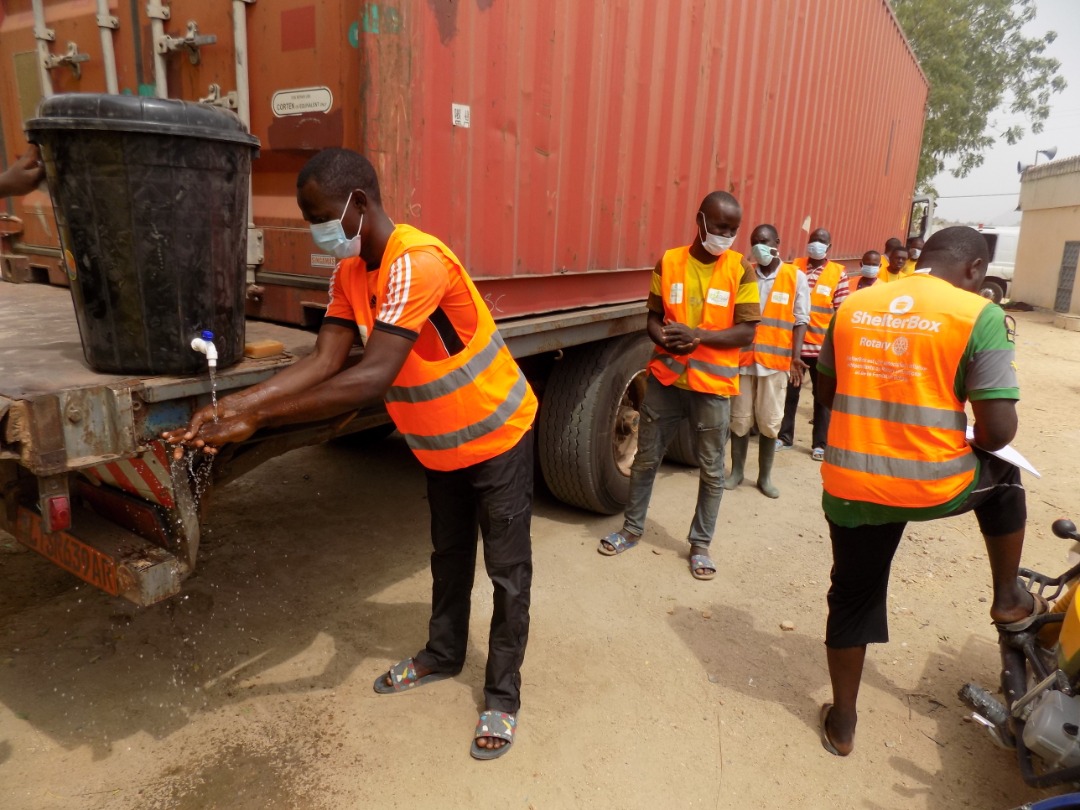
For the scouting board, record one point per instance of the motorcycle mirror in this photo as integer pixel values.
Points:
(1066, 529)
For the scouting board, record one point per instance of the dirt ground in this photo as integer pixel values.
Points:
(642, 687)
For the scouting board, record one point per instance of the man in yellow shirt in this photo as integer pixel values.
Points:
(897, 268)
(914, 251)
(703, 307)
(890, 245)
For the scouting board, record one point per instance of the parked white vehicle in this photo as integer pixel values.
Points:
(1002, 243)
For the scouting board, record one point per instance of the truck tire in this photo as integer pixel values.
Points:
(681, 450)
(587, 430)
(993, 289)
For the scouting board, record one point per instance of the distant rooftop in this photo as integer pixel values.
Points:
(1069, 165)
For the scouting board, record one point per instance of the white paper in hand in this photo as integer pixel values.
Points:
(1007, 453)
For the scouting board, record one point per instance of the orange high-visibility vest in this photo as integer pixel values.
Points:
(821, 300)
(708, 370)
(897, 434)
(772, 344)
(464, 409)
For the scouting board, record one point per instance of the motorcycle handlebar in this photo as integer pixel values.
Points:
(1065, 529)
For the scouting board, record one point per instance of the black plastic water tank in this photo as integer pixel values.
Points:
(151, 199)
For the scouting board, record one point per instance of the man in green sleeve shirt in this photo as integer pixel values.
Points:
(897, 366)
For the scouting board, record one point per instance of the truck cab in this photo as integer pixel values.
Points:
(1001, 242)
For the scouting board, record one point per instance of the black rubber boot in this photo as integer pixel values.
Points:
(738, 460)
(766, 456)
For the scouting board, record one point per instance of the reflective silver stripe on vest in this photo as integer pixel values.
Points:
(821, 310)
(671, 362)
(776, 323)
(817, 330)
(448, 383)
(898, 467)
(918, 415)
(712, 369)
(772, 350)
(489, 424)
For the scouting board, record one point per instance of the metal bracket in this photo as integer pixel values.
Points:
(156, 11)
(72, 58)
(108, 21)
(191, 42)
(44, 34)
(215, 99)
(256, 253)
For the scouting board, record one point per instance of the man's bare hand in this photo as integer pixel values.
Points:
(190, 436)
(797, 370)
(23, 175)
(679, 338)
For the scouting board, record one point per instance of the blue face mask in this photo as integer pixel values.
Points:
(330, 236)
(817, 250)
(763, 255)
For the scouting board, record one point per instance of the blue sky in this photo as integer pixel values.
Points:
(998, 174)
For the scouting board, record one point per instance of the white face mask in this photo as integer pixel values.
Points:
(763, 255)
(915, 253)
(870, 270)
(713, 243)
(330, 236)
(817, 250)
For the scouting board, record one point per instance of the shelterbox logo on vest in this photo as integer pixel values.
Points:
(898, 306)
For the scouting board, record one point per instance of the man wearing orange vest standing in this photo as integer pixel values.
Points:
(772, 359)
(897, 367)
(432, 352)
(828, 288)
(703, 305)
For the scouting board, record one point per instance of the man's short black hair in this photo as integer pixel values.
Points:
(892, 243)
(719, 199)
(338, 171)
(771, 229)
(959, 243)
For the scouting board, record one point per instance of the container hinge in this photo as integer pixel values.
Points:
(191, 42)
(44, 34)
(72, 58)
(215, 99)
(256, 253)
(108, 21)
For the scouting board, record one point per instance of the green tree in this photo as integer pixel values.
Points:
(978, 62)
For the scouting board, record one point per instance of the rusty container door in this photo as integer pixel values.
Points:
(558, 147)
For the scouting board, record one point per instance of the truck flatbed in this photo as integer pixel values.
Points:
(40, 352)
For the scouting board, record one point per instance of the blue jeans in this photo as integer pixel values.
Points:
(664, 408)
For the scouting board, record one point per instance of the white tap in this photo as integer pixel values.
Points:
(205, 344)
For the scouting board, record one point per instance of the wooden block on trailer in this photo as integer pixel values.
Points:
(258, 349)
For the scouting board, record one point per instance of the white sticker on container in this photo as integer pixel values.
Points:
(780, 298)
(322, 260)
(719, 297)
(302, 100)
(460, 115)
(675, 294)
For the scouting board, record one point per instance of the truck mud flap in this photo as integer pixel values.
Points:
(110, 558)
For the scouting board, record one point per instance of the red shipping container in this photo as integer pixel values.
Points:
(557, 147)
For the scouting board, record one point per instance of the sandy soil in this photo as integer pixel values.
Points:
(642, 687)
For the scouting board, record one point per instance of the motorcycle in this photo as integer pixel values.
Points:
(1040, 682)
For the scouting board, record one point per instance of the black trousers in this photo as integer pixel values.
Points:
(791, 404)
(494, 497)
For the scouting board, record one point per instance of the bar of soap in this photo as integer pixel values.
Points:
(263, 348)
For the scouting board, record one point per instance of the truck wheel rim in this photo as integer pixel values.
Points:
(627, 417)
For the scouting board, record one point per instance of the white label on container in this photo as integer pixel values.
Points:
(460, 115)
(320, 260)
(302, 100)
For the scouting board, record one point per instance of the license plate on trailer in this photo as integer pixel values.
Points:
(69, 552)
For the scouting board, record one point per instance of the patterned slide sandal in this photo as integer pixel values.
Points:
(618, 544)
(702, 561)
(403, 678)
(492, 723)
